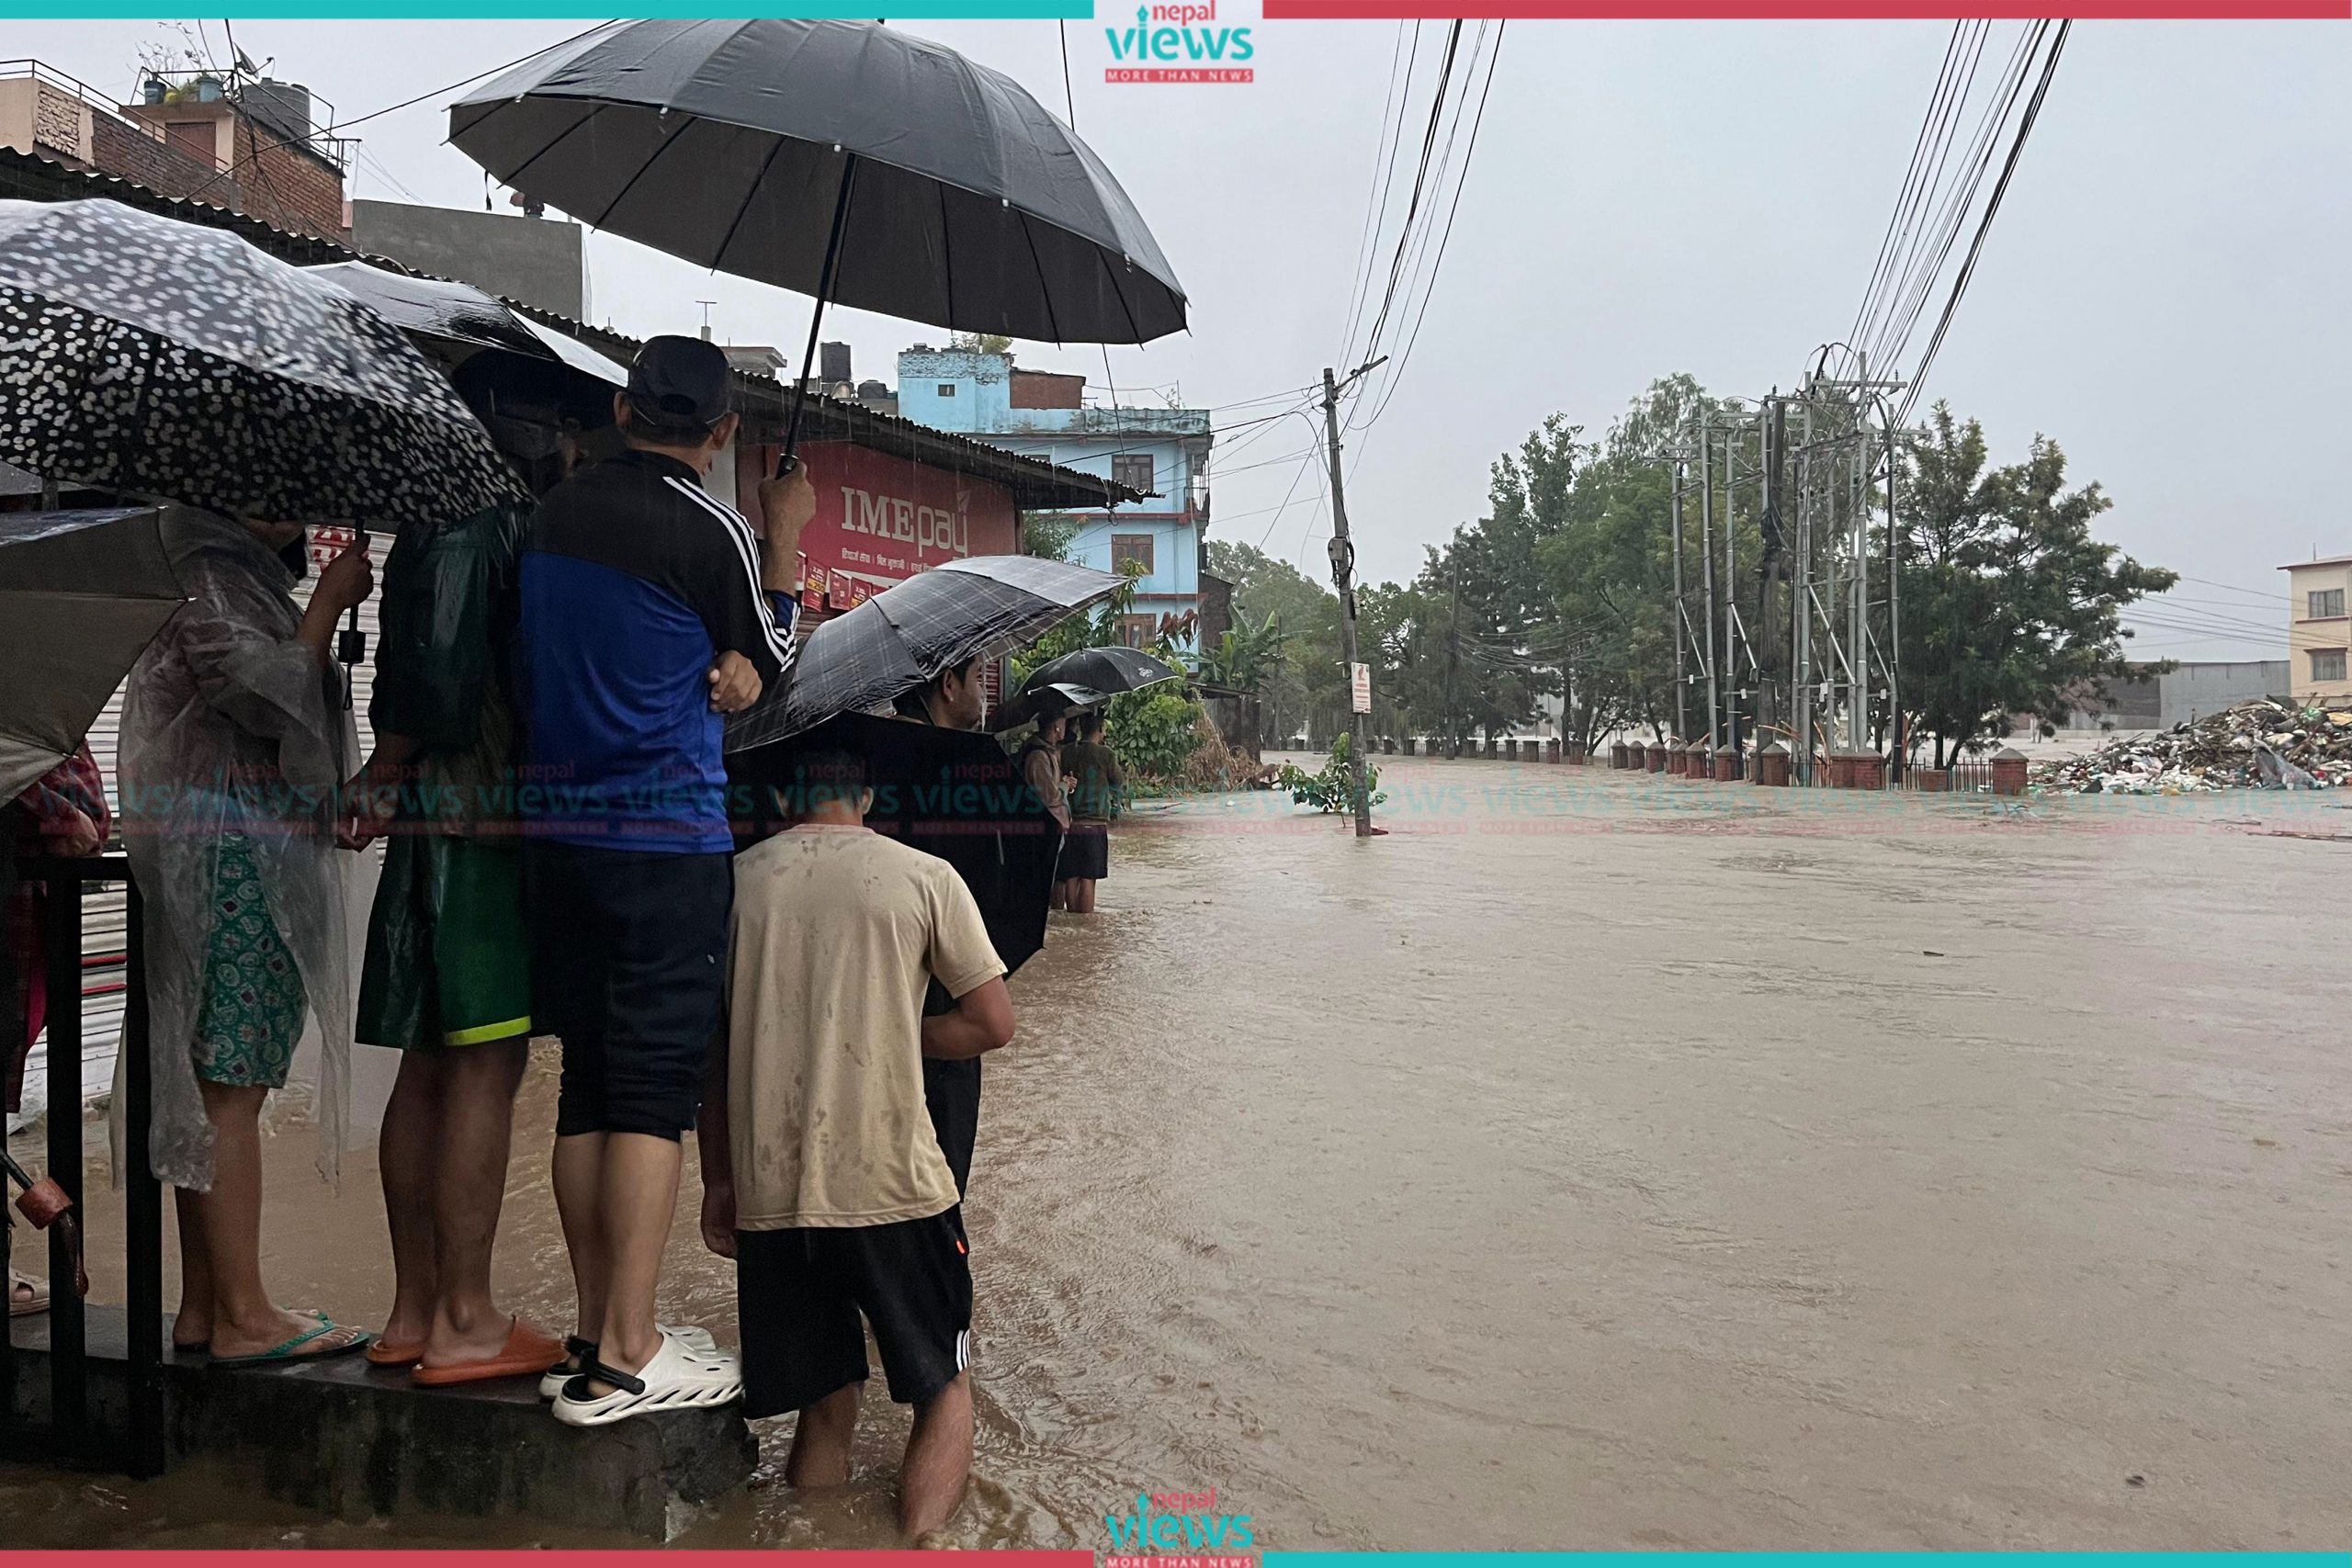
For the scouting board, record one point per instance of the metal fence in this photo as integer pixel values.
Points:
(70, 1434)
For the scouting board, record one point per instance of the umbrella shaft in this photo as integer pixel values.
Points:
(816, 316)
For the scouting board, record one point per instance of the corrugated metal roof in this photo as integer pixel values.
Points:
(762, 399)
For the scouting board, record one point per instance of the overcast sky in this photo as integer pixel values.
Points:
(2163, 291)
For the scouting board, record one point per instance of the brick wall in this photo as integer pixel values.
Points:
(1047, 389)
(116, 149)
(286, 185)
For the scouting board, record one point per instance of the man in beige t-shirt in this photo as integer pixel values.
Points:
(821, 1175)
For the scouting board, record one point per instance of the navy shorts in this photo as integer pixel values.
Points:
(799, 1294)
(629, 951)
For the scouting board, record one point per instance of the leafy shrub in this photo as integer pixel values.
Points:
(1330, 789)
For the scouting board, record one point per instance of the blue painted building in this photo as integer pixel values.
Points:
(1041, 414)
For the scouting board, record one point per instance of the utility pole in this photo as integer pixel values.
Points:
(1452, 644)
(1343, 570)
(1707, 564)
(1681, 609)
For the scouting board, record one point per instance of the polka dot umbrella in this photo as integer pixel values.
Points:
(153, 357)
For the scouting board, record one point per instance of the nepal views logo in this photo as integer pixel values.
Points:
(1179, 42)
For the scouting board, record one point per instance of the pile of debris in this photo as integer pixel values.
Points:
(2257, 745)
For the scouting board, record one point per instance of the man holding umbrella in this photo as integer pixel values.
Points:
(644, 622)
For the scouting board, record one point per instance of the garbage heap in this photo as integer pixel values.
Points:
(2256, 745)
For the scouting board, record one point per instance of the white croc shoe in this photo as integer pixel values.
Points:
(563, 1371)
(676, 1378)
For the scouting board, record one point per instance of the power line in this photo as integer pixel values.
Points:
(1396, 374)
(1384, 148)
(1420, 178)
(1976, 245)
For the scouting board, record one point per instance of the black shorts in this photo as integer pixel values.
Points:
(799, 1295)
(951, 1092)
(628, 965)
(1086, 851)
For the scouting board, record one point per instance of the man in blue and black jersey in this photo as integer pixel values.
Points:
(645, 622)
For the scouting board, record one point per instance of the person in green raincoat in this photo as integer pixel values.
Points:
(447, 977)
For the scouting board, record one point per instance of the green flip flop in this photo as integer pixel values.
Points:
(291, 1350)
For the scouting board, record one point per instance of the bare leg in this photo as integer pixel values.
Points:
(636, 1200)
(468, 1189)
(413, 1128)
(938, 1461)
(245, 1321)
(1061, 900)
(579, 1183)
(193, 1325)
(1082, 895)
(821, 1439)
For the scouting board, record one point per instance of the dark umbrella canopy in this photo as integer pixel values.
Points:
(465, 315)
(1109, 670)
(144, 355)
(950, 793)
(81, 595)
(726, 143)
(976, 607)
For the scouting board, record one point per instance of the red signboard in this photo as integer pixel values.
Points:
(881, 519)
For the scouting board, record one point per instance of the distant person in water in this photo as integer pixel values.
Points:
(1096, 782)
(1040, 765)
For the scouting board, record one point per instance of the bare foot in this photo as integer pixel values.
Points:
(232, 1339)
(406, 1326)
(484, 1339)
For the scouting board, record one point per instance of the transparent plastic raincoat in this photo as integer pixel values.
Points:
(233, 724)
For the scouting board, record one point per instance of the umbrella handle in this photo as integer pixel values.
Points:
(351, 646)
(825, 281)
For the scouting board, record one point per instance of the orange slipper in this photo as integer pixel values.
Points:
(384, 1353)
(529, 1350)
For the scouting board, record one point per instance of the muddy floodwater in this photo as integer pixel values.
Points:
(1602, 1161)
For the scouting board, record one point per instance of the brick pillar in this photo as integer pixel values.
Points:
(1653, 756)
(1511, 746)
(1930, 781)
(1727, 768)
(1866, 769)
(1617, 758)
(1674, 758)
(1772, 764)
(2008, 771)
(1410, 742)
(1551, 749)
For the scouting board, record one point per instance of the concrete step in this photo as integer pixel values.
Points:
(355, 1441)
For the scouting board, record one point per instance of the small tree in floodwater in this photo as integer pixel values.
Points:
(2008, 604)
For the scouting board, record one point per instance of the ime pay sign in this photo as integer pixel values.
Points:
(1179, 42)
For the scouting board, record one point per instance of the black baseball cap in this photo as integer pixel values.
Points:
(678, 383)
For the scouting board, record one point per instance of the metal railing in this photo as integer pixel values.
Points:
(70, 1434)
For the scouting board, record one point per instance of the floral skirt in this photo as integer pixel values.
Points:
(250, 998)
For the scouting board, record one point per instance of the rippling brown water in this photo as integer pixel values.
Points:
(1598, 1162)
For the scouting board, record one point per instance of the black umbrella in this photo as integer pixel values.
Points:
(955, 198)
(1039, 702)
(144, 355)
(467, 318)
(951, 793)
(81, 595)
(1106, 670)
(979, 606)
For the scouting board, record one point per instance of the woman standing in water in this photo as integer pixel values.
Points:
(1093, 802)
(1041, 764)
(233, 745)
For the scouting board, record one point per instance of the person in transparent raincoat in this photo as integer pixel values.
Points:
(234, 742)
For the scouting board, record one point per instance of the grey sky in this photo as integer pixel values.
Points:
(2163, 291)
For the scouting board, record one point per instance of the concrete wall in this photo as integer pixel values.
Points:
(41, 118)
(538, 261)
(2195, 691)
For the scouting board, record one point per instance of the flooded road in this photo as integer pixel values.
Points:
(1600, 1161)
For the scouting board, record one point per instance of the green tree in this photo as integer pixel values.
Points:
(1304, 690)
(2008, 604)
(981, 342)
